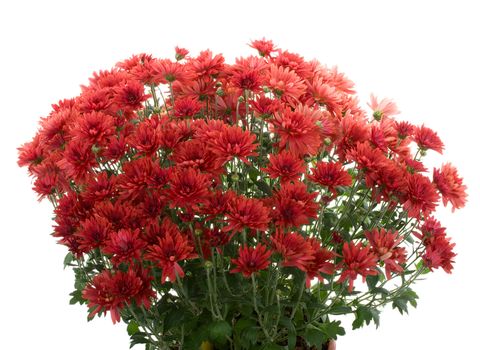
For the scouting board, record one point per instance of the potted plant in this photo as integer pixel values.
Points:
(239, 206)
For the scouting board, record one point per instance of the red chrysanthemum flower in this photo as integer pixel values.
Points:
(420, 195)
(244, 213)
(298, 130)
(385, 246)
(295, 250)
(285, 84)
(264, 47)
(383, 109)
(357, 260)
(330, 175)
(233, 142)
(251, 260)
(171, 249)
(180, 53)
(186, 107)
(285, 166)
(321, 262)
(124, 245)
(94, 127)
(110, 291)
(188, 187)
(265, 107)
(78, 160)
(426, 139)
(450, 186)
(94, 232)
(294, 206)
(438, 248)
(131, 95)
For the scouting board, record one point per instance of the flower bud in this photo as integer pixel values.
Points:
(198, 232)
(235, 177)
(220, 92)
(266, 89)
(208, 264)
(327, 141)
(241, 99)
(377, 115)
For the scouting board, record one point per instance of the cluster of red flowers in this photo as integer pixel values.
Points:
(158, 161)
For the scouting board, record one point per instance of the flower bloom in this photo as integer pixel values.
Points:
(383, 109)
(385, 245)
(172, 248)
(244, 213)
(295, 250)
(450, 186)
(111, 291)
(420, 196)
(233, 142)
(298, 130)
(321, 262)
(285, 166)
(357, 260)
(438, 248)
(188, 187)
(426, 139)
(330, 175)
(251, 260)
(124, 245)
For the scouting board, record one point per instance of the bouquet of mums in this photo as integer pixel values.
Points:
(240, 206)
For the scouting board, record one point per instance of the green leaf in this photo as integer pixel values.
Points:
(314, 336)
(68, 260)
(372, 281)
(132, 327)
(273, 347)
(263, 186)
(365, 315)
(218, 331)
(332, 329)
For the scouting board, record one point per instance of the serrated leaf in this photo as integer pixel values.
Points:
(68, 260)
(314, 336)
(332, 329)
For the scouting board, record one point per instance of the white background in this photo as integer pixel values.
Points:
(424, 54)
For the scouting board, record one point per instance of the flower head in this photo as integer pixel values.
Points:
(357, 260)
(450, 186)
(251, 260)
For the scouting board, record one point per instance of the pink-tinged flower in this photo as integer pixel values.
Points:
(248, 73)
(295, 250)
(265, 107)
(331, 175)
(450, 186)
(357, 260)
(383, 109)
(180, 53)
(264, 47)
(426, 139)
(171, 249)
(233, 142)
(244, 213)
(251, 260)
(420, 195)
(385, 245)
(321, 262)
(323, 94)
(124, 245)
(111, 291)
(286, 166)
(285, 84)
(404, 129)
(298, 130)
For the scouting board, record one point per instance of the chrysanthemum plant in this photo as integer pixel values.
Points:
(237, 205)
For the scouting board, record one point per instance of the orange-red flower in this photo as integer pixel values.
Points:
(357, 260)
(233, 142)
(286, 166)
(330, 175)
(251, 260)
(245, 212)
(450, 186)
(295, 250)
(385, 245)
